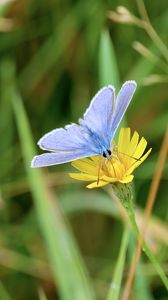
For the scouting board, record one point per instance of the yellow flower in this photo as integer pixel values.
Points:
(127, 156)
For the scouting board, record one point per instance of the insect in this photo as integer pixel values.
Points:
(94, 133)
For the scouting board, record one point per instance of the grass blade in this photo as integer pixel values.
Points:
(141, 282)
(108, 70)
(42, 295)
(116, 281)
(3, 293)
(62, 249)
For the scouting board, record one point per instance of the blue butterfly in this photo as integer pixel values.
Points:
(94, 133)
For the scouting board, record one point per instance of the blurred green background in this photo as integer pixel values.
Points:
(57, 239)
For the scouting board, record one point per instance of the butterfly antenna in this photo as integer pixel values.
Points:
(137, 159)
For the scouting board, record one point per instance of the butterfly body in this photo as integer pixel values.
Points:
(94, 133)
(101, 144)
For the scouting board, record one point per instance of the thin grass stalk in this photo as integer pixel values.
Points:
(62, 249)
(115, 285)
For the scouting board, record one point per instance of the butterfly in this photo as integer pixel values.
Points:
(94, 133)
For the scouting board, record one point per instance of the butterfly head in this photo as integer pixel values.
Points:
(106, 154)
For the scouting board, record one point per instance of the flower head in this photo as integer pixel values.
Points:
(126, 157)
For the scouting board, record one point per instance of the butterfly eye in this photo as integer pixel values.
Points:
(106, 152)
(109, 152)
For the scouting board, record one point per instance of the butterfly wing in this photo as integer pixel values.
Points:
(123, 99)
(98, 115)
(95, 131)
(79, 141)
(68, 144)
(70, 138)
(50, 159)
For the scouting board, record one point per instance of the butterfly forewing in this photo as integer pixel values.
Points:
(123, 99)
(98, 115)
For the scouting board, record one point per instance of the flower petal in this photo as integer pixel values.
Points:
(83, 176)
(133, 143)
(131, 150)
(95, 185)
(95, 158)
(137, 163)
(140, 148)
(127, 179)
(124, 139)
(124, 146)
(86, 165)
(127, 157)
(109, 179)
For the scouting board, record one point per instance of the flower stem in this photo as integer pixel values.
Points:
(145, 248)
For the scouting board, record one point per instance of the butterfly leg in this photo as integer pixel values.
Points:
(109, 160)
(113, 168)
(99, 169)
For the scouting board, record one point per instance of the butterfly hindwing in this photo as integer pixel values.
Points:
(70, 138)
(50, 159)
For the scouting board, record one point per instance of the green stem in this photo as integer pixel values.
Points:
(124, 194)
(145, 247)
(114, 290)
